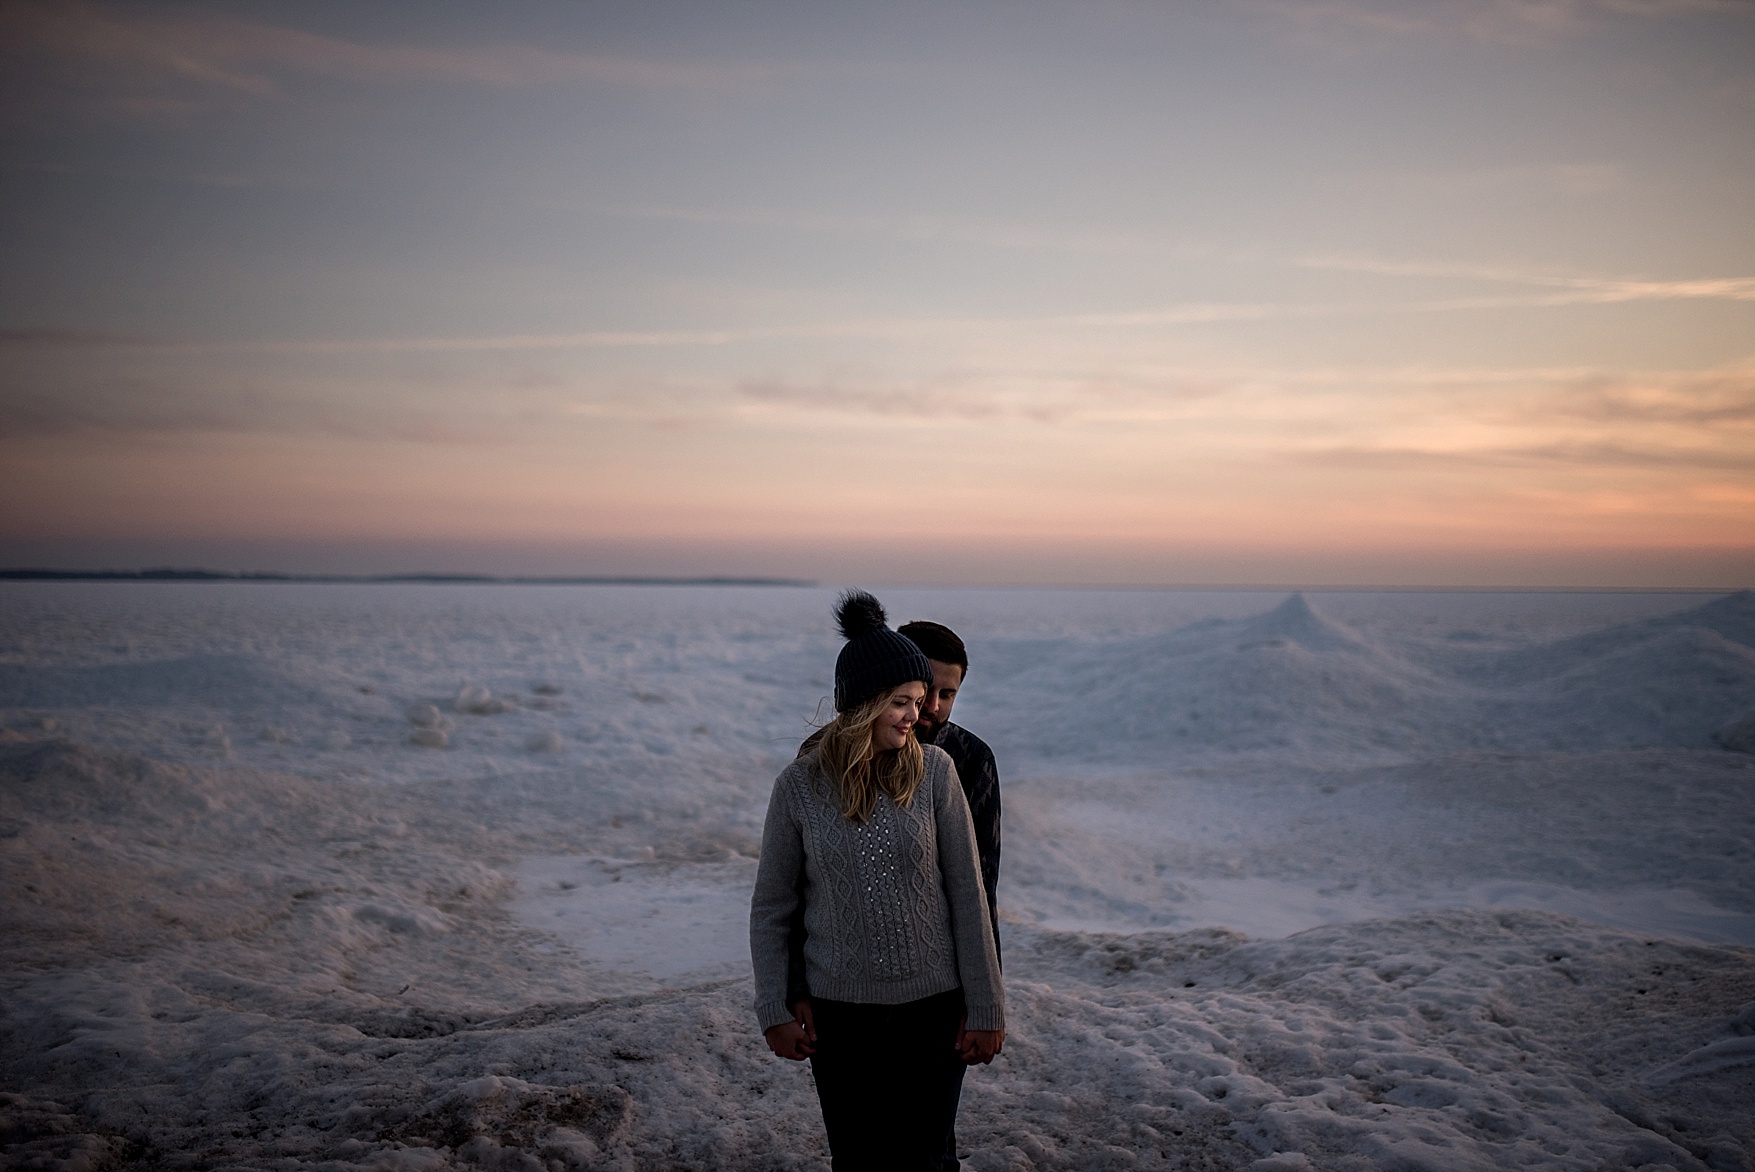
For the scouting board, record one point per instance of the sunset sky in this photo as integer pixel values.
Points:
(1438, 292)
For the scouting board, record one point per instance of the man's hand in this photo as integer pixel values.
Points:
(795, 1039)
(977, 1047)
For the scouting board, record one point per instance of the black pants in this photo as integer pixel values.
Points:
(889, 1078)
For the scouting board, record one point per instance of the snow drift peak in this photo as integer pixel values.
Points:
(1295, 607)
(1296, 621)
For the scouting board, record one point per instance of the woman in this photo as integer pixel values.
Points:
(870, 830)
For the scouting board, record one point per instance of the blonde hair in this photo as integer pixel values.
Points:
(846, 758)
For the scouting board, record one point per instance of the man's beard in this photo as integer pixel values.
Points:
(926, 731)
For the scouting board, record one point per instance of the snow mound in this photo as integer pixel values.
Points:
(398, 917)
(1739, 735)
(1710, 1059)
(1672, 681)
(478, 700)
(1732, 617)
(1293, 680)
(1287, 680)
(1294, 621)
(107, 855)
(546, 742)
(39, 1133)
(509, 1118)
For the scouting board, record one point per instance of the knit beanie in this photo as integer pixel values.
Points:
(875, 659)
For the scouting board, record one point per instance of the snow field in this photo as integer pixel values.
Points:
(251, 921)
(354, 996)
(1649, 840)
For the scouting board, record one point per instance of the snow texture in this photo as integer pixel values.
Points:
(444, 877)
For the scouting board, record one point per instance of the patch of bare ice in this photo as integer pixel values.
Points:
(669, 922)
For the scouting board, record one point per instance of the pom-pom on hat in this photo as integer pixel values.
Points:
(876, 658)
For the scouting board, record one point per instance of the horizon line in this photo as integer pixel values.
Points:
(440, 578)
(170, 574)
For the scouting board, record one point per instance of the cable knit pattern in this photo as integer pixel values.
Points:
(894, 909)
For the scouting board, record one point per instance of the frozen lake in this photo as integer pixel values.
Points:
(247, 826)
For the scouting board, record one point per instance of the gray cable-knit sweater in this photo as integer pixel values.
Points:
(894, 909)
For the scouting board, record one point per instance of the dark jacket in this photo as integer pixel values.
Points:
(979, 773)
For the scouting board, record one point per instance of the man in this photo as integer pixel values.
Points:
(976, 769)
(968, 752)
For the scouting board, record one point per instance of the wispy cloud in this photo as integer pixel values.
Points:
(1187, 313)
(948, 399)
(1722, 399)
(1678, 425)
(133, 409)
(1571, 179)
(115, 50)
(1655, 420)
(1385, 414)
(1595, 455)
(1353, 23)
(128, 402)
(228, 180)
(1699, 289)
(985, 232)
(1559, 290)
(43, 339)
(66, 339)
(1577, 289)
(1237, 451)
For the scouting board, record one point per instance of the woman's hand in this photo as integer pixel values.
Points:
(977, 1047)
(795, 1039)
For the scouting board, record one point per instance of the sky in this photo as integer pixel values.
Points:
(1302, 292)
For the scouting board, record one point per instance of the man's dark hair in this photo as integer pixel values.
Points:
(938, 641)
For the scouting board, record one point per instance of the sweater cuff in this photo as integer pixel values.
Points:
(772, 1013)
(984, 1017)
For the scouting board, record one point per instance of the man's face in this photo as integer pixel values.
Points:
(936, 708)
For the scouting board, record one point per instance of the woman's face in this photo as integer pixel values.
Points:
(898, 717)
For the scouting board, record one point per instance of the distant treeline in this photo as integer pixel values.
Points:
(175, 575)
